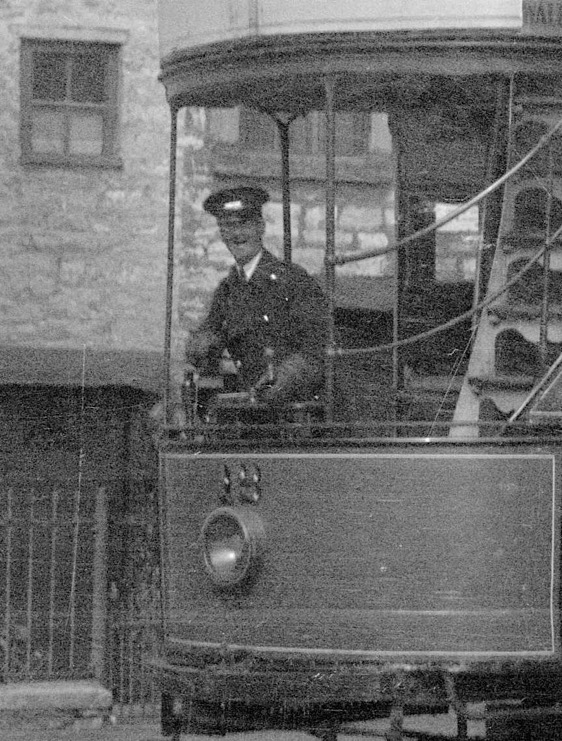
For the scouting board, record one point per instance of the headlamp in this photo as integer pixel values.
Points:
(232, 540)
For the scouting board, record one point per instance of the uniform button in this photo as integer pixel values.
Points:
(273, 276)
(265, 318)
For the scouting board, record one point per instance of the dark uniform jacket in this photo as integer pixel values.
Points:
(281, 307)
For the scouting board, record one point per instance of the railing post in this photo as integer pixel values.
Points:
(99, 589)
(9, 527)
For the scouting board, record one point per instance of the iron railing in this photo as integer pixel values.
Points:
(79, 583)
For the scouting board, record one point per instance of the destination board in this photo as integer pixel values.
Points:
(542, 17)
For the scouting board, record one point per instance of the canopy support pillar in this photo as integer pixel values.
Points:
(330, 255)
(283, 128)
(170, 261)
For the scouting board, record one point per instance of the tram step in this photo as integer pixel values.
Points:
(437, 384)
(429, 410)
(489, 384)
(522, 312)
(518, 241)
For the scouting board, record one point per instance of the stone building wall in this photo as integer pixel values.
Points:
(83, 251)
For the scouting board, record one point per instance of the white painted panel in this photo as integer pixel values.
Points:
(294, 16)
(188, 24)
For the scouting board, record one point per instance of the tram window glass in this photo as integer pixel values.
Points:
(245, 142)
(259, 132)
(456, 244)
(447, 255)
(69, 109)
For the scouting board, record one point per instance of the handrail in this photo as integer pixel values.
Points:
(358, 256)
(535, 391)
(491, 169)
(341, 352)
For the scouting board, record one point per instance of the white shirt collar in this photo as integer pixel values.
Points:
(250, 267)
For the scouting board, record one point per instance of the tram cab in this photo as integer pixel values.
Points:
(393, 546)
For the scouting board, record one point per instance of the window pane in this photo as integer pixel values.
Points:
(257, 130)
(88, 78)
(352, 134)
(86, 134)
(47, 132)
(307, 134)
(69, 98)
(301, 135)
(380, 138)
(49, 76)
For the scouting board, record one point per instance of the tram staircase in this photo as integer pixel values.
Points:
(433, 369)
(519, 334)
(426, 406)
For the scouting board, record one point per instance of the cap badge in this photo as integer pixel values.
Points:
(233, 206)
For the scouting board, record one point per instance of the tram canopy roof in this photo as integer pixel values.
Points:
(293, 76)
(276, 54)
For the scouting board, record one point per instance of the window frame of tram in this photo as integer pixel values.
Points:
(245, 143)
(70, 103)
(258, 132)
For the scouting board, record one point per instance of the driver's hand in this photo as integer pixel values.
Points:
(264, 382)
(293, 377)
(176, 415)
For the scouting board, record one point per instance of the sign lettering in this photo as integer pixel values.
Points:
(542, 16)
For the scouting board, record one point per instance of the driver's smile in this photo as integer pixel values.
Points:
(243, 237)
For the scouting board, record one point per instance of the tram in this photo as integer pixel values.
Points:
(397, 553)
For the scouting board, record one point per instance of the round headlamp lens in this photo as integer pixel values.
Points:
(230, 544)
(224, 547)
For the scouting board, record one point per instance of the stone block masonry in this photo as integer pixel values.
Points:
(83, 250)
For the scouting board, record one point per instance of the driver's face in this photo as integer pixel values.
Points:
(242, 237)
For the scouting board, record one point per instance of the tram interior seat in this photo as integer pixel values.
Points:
(430, 306)
(363, 382)
(364, 389)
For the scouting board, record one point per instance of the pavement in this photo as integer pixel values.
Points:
(25, 729)
(83, 711)
(148, 729)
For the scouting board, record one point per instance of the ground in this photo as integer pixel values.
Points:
(149, 730)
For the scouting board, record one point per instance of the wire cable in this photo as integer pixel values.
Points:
(343, 352)
(543, 141)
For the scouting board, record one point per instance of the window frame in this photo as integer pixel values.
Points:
(233, 156)
(307, 132)
(109, 109)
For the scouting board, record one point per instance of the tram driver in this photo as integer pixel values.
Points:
(268, 318)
